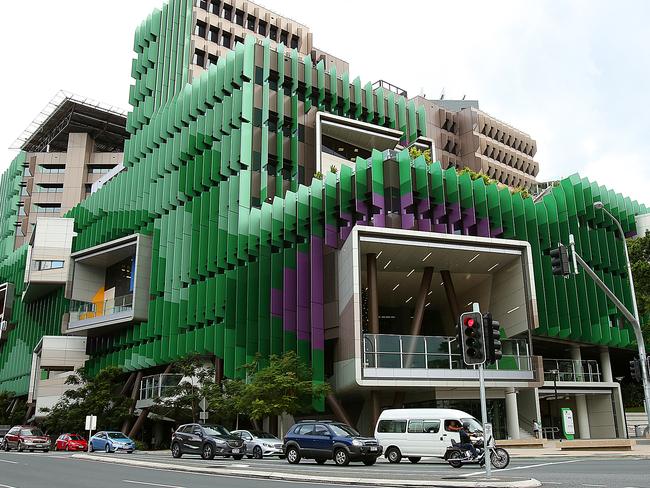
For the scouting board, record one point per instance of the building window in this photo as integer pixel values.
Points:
(213, 36)
(214, 7)
(52, 168)
(202, 4)
(96, 169)
(46, 207)
(49, 188)
(239, 17)
(199, 60)
(23, 191)
(21, 211)
(42, 265)
(200, 28)
(294, 42)
(273, 33)
(250, 23)
(89, 188)
(225, 39)
(19, 231)
(261, 28)
(392, 426)
(26, 171)
(226, 12)
(239, 39)
(284, 37)
(212, 59)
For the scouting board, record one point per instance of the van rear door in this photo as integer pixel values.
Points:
(424, 438)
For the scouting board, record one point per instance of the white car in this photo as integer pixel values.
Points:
(260, 444)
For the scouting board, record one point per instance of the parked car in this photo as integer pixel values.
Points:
(323, 440)
(419, 432)
(26, 438)
(71, 442)
(260, 444)
(208, 441)
(3, 431)
(109, 441)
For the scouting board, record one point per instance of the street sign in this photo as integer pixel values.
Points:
(203, 404)
(91, 422)
(203, 415)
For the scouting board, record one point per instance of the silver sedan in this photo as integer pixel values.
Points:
(260, 444)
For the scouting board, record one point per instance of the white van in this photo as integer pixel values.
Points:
(415, 433)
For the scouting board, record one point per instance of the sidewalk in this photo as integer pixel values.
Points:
(285, 475)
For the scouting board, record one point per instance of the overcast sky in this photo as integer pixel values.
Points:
(573, 74)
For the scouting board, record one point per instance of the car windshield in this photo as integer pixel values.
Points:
(472, 424)
(76, 438)
(117, 435)
(31, 432)
(216, 430)
(343, 430)
(262, 435)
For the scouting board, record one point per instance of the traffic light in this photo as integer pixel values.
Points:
(560, 260)
(635, 369)
(492, 339)
(472, 338)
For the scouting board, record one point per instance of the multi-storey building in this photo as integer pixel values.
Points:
(228, 235)
(72, 144)
(465, 136)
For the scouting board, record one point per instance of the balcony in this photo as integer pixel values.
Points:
(438, 357)
(571, 370)
(80, 310)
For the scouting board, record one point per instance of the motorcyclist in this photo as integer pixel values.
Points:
(465, 439)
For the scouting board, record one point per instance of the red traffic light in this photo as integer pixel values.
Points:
(470, 322)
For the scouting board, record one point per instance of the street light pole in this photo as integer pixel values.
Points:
(555, 373)
(636, 324)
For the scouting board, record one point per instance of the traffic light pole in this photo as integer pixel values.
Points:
(631, 318)
(484, 418)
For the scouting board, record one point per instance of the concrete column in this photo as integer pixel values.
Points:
(512, 413)
(582, 415)
(606, 366)
(80, 148)
(373, 294)
(576, 356)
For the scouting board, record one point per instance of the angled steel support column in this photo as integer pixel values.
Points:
(373, 293)
(338, 410)
(452, 299)
(134, 399)
(425, 286)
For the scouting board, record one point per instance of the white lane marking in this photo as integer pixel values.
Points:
(525, 467)
(150, 484)
(10, 462)
(599, 486)
(7, 486)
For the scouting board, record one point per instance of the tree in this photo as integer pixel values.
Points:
(284, 386)
(99, 395)
(12, 409)
(415, 152)
(181, 402)
(639, 251)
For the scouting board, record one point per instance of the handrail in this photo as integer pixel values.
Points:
(552, 430)
(572, 370)
(88, 310)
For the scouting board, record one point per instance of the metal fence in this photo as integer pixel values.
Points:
(572, 370)
(80, 310)
(434, 352)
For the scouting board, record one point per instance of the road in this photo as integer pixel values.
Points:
(60, 470)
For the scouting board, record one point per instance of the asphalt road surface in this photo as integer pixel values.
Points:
(60, 470)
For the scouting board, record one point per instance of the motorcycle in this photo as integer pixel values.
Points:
(456, 456)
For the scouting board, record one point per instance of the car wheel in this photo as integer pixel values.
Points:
(46, 450)
(207, 452)
(20, 448)
(257, 452)
(341, 457)
(415, 460)
(107, 448)
(393, 455)
(92, 447)
(370, 461)
(239, 457)
(67, 448)
(293, 455)
(176, 450)
(320, 460)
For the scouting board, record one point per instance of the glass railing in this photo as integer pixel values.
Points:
(434, 352)
(80, 310)
(571, 370)
(159, 385)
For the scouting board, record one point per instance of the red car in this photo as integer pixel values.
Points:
(26, 438)
(71, 442)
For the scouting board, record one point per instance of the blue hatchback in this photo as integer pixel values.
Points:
(323, 440)
(111, 442)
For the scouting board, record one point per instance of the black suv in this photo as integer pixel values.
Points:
(323, 440)
(208, 441)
